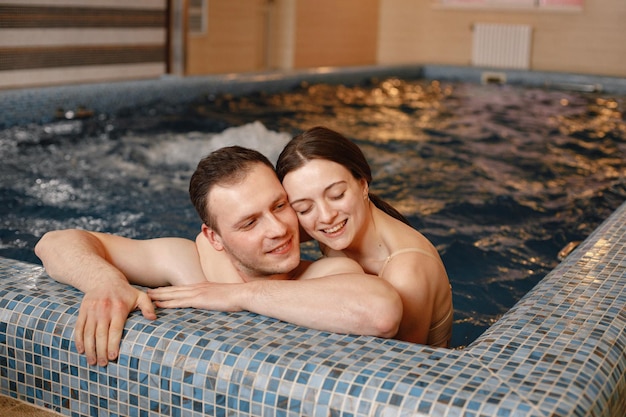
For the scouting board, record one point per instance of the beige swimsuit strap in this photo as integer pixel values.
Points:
(401, 251)
(443, 320)
(440, 332)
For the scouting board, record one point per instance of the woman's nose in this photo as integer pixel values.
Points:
(327, 213)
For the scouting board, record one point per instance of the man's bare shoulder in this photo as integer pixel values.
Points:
(216, 265)
(327, 266)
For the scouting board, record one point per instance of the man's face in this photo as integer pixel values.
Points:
(259, 229)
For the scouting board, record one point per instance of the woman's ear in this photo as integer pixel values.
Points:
(366, 188)
(213, 237)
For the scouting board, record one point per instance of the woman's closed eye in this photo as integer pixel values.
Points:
(338, 197)
(302, 209)
(303, 212)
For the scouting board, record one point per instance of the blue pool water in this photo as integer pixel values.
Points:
(499, 177)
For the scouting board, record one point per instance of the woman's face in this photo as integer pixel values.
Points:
(331, 204)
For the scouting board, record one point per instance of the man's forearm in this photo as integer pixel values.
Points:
(71, 255)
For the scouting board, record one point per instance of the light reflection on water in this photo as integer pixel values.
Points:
(500, 178)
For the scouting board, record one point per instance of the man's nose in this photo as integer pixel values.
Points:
(277, 226)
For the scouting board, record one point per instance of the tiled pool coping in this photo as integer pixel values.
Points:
(39, 105)
(560, 351)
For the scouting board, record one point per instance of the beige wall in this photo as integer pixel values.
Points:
(255, 35)
(281, 34)
(591, 41)
(312, 33)
(128, 39)
(335, 33)
(235, 39)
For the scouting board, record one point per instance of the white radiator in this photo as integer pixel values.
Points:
(501, 46)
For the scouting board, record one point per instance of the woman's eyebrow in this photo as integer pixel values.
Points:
(334, 184)
(325, 191)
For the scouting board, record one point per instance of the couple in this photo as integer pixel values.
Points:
(378, 277)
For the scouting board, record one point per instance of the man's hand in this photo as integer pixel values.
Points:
(101, 319)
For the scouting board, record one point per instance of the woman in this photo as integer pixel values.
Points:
(327, 179)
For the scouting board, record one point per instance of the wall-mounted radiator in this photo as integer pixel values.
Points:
(501, 45)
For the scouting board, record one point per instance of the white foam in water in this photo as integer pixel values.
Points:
(187, 149)
(256, 136)
(54, 192)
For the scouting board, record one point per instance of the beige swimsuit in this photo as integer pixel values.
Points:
(440, 332)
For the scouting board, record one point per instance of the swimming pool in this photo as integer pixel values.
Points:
(559, 351)
(499, 177)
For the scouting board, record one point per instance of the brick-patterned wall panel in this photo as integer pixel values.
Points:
(44, 42)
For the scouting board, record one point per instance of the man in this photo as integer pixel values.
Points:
(246, 257)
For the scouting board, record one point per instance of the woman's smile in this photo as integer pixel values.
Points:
(335, 229)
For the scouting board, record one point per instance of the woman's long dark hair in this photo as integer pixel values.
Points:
(323, 143)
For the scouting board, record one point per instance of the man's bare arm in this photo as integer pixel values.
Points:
(104, 267)
(71, 256)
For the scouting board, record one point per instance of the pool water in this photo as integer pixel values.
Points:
(499, 177)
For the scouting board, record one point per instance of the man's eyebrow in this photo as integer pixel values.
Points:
(242, 222)
(251, 216)
(245, 218)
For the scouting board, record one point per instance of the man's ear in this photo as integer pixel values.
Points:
(213, 237)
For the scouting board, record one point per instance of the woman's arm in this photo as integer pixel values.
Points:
(332, 294)
(417, 279)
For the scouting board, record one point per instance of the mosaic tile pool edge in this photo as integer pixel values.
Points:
(558, 352)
